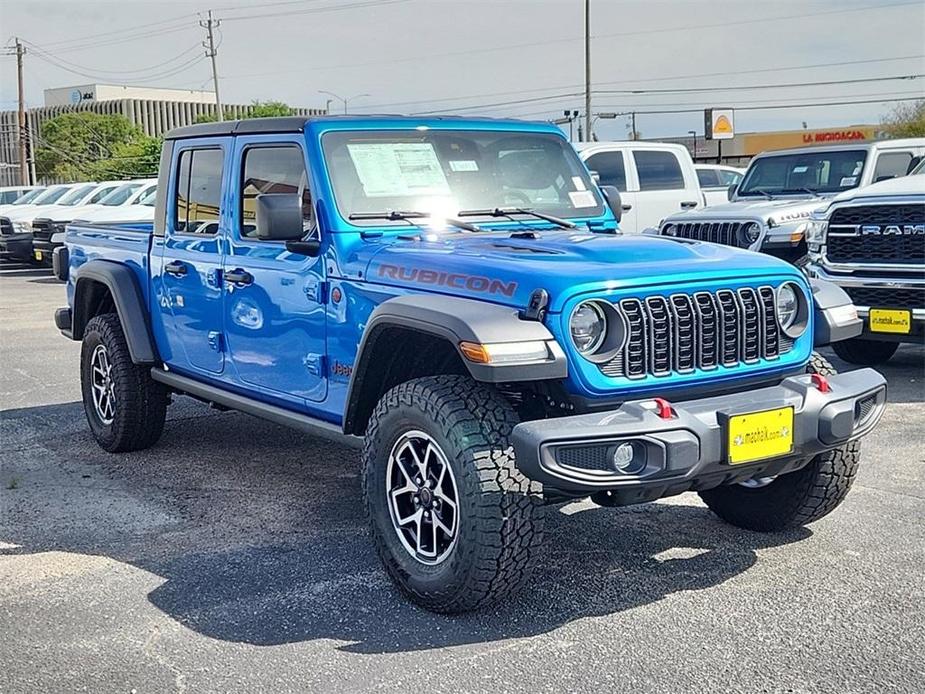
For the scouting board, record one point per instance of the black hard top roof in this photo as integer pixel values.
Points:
(291, 124)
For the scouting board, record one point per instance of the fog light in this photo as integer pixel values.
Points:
(629, 458)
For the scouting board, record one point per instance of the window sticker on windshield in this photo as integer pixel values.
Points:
(578, 183)
(848, 181)
(398, 168)
(800, 169)
(560, 181)
(857, 169)
(463, 165)
(582, 198)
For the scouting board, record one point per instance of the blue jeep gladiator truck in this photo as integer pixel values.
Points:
(454, 297)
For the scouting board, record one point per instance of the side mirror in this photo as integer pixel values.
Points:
(731, 191)
(595, 176)
(279, 216)
(612, 198)
(309, 247)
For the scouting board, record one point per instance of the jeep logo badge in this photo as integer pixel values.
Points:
(893, 229)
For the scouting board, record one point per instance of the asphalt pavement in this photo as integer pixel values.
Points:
(233, 556)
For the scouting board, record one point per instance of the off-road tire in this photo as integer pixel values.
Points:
(865, 352)
(797, 498)
(140, 402)
(501, 512)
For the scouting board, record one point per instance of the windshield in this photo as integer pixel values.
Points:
(147, 197)
(76, 195)
(804, 172)
(51, 195)
(443, 173)
(120, 194)
(28, 197)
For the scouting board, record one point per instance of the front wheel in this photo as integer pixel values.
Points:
(796, 498)
(455, 523)
(125, 407)
(865, 352)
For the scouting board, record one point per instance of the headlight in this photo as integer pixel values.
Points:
(22, 226)
(669, 230)
(751, 232)
(792, 309)
(588, 327)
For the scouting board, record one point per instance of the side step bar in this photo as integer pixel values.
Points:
(241, 403)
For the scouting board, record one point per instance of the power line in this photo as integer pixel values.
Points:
(556, 97)
(316, 10)
(120, 32)
(575, 39)
(40, 50)
(174, 70)
(633, 81)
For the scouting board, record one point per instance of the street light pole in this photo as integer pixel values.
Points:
(588, 70)
(693, 133)
(340, 98)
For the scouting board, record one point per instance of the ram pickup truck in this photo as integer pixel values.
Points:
(452, 296)
(871, 242)
(770, 210)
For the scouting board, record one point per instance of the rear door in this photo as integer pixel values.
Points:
(663, 187)
(189, 271)
(611, 166)
(274, 310)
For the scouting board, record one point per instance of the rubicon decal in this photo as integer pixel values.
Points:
(474, 283)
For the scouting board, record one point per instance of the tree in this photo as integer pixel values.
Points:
(906, 120)
(92, 146)
(257, 109)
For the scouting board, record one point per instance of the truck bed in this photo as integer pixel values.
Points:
(121, 242)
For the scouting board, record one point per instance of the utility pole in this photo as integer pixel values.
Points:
(587, 70)
(23, 163)
(209, 25)
(633, 115)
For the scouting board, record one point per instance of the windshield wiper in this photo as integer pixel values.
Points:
(510, 211)
(804, 189)
(409, 216)
(760, 191)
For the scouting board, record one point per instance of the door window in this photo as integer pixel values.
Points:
(273, 170)
(708, 178)
(891, 165)
(658, 170)
(199, 191)
(729, 178)
(610, 167)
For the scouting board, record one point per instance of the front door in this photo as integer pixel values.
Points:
(274, 313)
(187, 272)
(661, 187)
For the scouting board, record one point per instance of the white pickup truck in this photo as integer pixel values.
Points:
(655, 179)
(770, 209)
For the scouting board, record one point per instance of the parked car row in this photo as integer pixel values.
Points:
(32, 224)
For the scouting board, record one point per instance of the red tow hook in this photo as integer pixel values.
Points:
(663, 408)
(821, 383)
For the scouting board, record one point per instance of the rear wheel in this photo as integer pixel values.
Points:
(865, 352)
(455, 523)
(125, 407)
(794, 499)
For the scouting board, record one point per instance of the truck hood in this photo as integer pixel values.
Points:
(118, 213)
(779, 211)
(495, 267)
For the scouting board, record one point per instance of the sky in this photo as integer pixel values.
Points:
(476, 57)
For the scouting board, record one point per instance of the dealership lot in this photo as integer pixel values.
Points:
(234, 555)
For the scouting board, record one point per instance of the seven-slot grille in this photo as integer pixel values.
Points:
(683, 332)
(726, 233)
(849, 242)
(6, 226)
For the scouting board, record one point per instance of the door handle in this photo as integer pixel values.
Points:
(626, 208)
(175, 268)
(688, 204)
(239, 277)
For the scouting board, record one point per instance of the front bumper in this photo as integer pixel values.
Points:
(17, 246)
(890, 287)
(688, 450)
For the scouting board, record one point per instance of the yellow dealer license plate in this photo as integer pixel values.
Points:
(759, 435)
(38, 255)
(885, 320)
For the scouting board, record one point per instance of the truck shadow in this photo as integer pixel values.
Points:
(259, 536)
